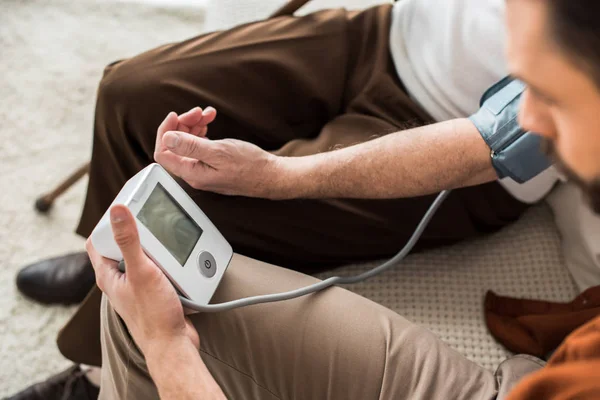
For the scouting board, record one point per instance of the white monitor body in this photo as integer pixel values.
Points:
(197, 274)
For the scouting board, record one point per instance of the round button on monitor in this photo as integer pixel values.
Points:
(207, 264)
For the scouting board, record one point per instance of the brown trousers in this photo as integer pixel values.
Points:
(293, 86)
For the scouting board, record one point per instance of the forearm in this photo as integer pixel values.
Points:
(179, 372)
(410, 163)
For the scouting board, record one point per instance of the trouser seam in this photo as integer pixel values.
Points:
(241, 372)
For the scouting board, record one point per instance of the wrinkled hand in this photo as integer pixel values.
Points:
(231, 167)
(142, 296)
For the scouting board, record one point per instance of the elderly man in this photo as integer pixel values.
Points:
(348, 347)
(337, 344)
(380, 355)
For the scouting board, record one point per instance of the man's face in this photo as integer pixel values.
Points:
(562, 102)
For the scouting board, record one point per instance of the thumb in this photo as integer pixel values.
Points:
(127, 238)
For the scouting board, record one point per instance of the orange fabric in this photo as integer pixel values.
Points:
(572, 373)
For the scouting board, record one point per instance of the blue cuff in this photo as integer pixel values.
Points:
(515, 153)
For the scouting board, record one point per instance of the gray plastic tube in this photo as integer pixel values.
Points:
(334, 280)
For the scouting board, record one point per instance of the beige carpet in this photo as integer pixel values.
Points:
(52, 54)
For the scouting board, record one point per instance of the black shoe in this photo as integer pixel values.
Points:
(69, 384)
(60, 280)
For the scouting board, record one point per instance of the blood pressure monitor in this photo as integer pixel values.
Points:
(173, 232)
(191, 251)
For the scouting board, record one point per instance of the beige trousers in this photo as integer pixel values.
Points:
(330, 345)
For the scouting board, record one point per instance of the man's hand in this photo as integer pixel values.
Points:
(148, 303)
(142, 296)
(228, 166)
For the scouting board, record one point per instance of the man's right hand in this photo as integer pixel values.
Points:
(231, 167)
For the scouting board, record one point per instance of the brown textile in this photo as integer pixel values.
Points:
(79, 339)
(293, 86)
(538, 327)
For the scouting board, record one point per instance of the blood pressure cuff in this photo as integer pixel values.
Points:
(515, 153)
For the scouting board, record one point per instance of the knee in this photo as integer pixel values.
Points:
(123, 85)
(130, 105)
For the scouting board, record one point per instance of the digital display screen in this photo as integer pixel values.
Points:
(170, 224)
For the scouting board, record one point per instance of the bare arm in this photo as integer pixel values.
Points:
(179, 373)
(419, 161)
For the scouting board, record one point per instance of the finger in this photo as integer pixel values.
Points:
(106, 271)
(183, 167)
(192, 117)
(199, 130)
(182, 128)
(127, 238)
(208, 115)
(189, 146)
(168, 124)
